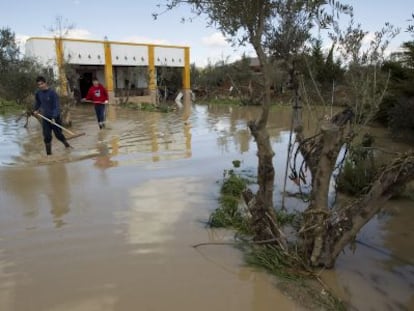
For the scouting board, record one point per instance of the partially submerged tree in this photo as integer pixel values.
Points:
(280, 29)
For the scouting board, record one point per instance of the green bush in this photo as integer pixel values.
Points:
(229, 215)
(359, 169)
(401, 116)
(233, 185)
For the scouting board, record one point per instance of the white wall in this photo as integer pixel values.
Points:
(43, 50)
(84, 53)
(129, 55)
(171, 57)
(93, 53)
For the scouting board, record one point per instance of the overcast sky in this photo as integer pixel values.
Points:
(131, 20)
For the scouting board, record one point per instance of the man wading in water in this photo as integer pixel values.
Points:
(47, 103)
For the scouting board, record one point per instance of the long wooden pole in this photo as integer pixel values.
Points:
(61, 127)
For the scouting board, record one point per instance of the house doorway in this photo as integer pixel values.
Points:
(85, 82)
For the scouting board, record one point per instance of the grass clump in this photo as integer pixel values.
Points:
(297, 279)
(225, 101)
(7, 106)
(230, 214)
(149, 107)
(274, 260)
(285, 218)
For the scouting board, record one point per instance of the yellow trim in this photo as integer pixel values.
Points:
(151, 68)
(112, 42)
(60, 63)
(186, 70)
(109, 81)
(108, 59)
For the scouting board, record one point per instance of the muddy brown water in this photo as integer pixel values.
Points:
(109, 225)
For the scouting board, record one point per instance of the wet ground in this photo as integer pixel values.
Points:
(109, 225)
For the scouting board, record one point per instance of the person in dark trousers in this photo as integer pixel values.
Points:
(99, 96)
(47, 104)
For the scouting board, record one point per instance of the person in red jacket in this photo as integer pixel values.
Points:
(99, 96)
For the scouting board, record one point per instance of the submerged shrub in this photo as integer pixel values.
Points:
(233, 185)
(229, 214)
(355, 178)
(359, 169)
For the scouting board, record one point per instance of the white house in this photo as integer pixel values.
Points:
(115, 64)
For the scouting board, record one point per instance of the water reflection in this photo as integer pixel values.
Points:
(19, 188)
(364, 278)
(106, 152)
(186, 114)
(17, 141)
(147, 216)
(58, 193)
(155, 208)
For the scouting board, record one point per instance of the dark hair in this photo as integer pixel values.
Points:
(40, 79)
(95, 79)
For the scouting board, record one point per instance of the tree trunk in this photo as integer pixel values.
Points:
(316, 215)
(263, 218)
(326, 232)
(347, 221)
(320, 154)
(66, 103)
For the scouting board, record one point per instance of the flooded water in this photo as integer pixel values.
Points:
(109, 225)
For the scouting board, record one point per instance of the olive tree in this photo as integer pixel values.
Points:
(281, 29)
(17, 73)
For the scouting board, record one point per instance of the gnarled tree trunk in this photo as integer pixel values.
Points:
(263, 220)
(327, 231)
(346, 221)
(323, 162)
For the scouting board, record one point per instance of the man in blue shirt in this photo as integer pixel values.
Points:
(47, 103)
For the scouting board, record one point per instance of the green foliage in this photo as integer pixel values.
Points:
(236, 163)
(285, 266)
(17, 74)
(233, 185)
(274, 260)
(364, 82)
(225, 101)
(229, 215)
(401, 116)
(359, 169)
(169, 79)
(9, 51)
(355, 177)
(148, 107)
(407, 55)
(284, 218)
(387, 104)
(8, 106)
(324, 68)
(130, 105)
(396, 110)
(18, 82)
(165, 108)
